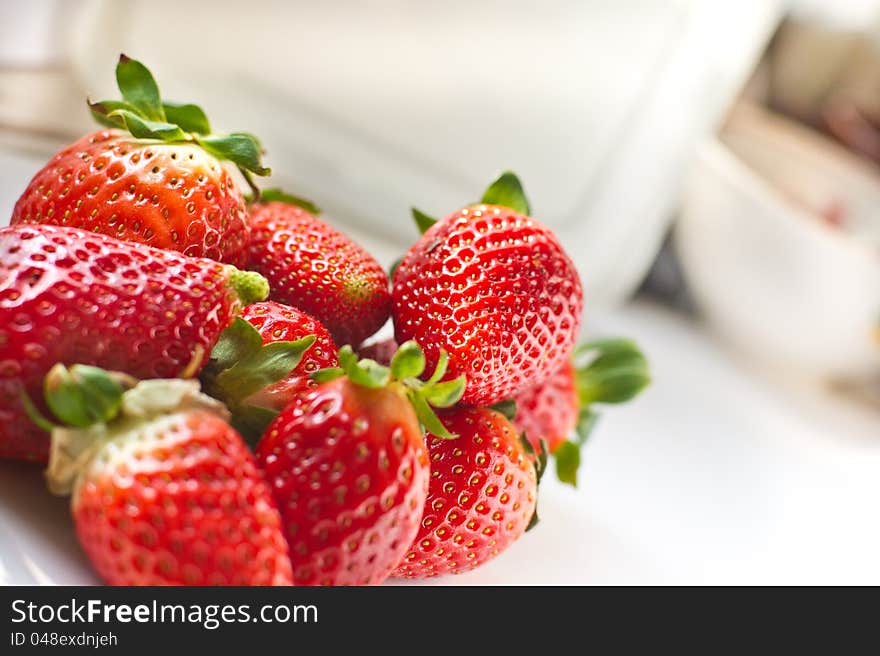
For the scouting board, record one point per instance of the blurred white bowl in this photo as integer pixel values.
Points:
(779, 238)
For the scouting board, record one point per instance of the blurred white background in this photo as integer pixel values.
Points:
(736, 466)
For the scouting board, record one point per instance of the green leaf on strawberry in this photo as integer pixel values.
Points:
(139, 88)
(143, 113)
(190, 118)
(616, 373)
(407, 364)
(507, 191)
(82, 395)
(241, 365)
(568, 460)
(423, 221)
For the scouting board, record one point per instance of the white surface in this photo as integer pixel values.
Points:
(714, 475)
(371, 107)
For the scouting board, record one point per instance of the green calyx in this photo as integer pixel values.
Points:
(506, 190)
(97, 407)
(539, 459)
(143, 113)
(249, 286)
(606, 371)
(82, 396)
(406, 366)
(279, 196)
(241, 365)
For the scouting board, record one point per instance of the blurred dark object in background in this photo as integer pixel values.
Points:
(828, 77)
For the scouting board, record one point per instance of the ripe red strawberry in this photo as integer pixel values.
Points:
(615, 372)
(68, 296)
(494, 288)
(157, 179)
(263, 360)
(275, 323)
(167, 493)
(481, 497)
(349, 469)
(314, 267)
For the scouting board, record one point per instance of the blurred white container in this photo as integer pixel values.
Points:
(771, 275)
(370, 107)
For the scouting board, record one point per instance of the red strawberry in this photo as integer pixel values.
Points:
(67, 295)
(481, 497)
(349, 469)
(549, 411)
(263, 360)
(276, 322)
(553, 410)
(317, 269)
(494, 288)
(158, 180)
(167, 493)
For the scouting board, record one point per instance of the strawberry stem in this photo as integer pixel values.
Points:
(407, 365)
(249, 286)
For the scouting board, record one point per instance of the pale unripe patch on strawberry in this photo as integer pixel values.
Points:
(153, 405)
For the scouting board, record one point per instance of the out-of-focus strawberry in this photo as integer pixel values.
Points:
(494, 288)
(314, 267)
(602, 371)
(71, 296)
(157, 177)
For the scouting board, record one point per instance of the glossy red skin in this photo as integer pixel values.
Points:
(314, 267)
(349, 470)
(481, 498)
(72, 296)
(495, 290)
(187, 506)
(175, 197)
(279, 323)
(549, 411)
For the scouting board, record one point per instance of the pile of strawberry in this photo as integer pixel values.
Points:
(190, 363)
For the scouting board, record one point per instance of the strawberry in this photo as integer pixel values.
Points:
(603, 371)
(276, 322)
(314, 267)
(164, 492)
(492, 287)
(348, 465)
(156, 178)
(263, 360)
(68, 295)
(481, 497)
